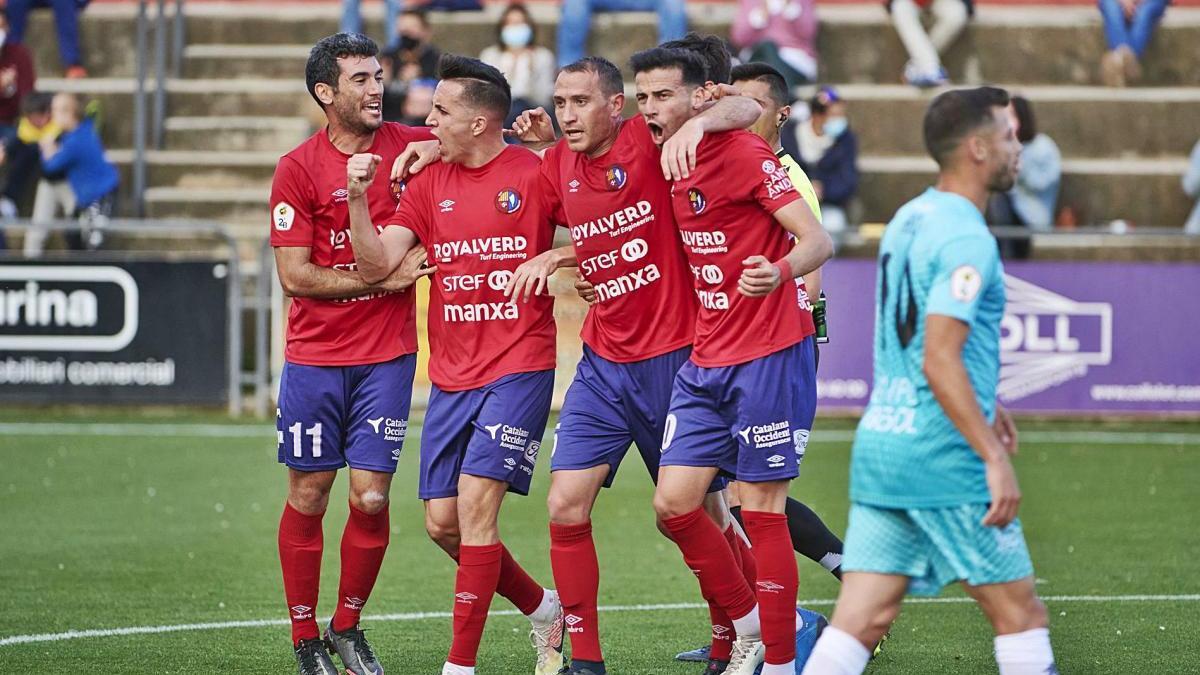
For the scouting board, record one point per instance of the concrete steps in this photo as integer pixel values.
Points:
(236, 134)
(1029, 44)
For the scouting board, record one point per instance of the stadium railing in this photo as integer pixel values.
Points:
(160, 57)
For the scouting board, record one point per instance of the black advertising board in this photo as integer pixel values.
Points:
(140, 331)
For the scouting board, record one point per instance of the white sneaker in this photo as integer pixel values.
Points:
(547, 639)
(747, 656)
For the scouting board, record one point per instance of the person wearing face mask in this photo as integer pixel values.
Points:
(412, 57)
(827, 150)
(529, 68)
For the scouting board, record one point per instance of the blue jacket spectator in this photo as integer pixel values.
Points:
(66, 23)
(827, 149)
(80, 159)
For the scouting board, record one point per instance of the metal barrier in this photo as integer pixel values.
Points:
(157, 117)
(178, 228)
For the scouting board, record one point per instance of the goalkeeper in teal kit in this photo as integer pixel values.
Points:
(933, 494)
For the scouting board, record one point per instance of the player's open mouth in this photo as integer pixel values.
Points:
(656, 132)
(573, 133)
(374, 107)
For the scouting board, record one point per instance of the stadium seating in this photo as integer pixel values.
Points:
(241, 101)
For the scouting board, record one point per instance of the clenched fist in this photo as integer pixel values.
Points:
(360, 173)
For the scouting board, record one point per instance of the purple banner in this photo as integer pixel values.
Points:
(1084, 337)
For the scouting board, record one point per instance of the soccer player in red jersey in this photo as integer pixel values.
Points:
(743, 404)
(479, 213)
(350, 356)
(606, 175)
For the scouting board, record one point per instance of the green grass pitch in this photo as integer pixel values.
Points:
(113, 530)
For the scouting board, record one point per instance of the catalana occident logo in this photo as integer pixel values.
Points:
(615, 176)
(508, 200)
(1047, 339)
(697, 201)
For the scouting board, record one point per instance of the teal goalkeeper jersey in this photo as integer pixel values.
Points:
(936, 257)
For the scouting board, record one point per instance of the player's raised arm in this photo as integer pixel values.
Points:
(812, 248)
(679, 152)
(377, 254)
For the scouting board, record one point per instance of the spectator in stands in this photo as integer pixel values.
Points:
(66, 22)
(418, 103)
(413, 56)
(1191, 187)
(20, 156)
(827, 150)
(16, 80)
(529, 69)
(781, 33)
(576, 21)
(924, 68)
(1128, 27)
(78, 181)
(352, 19)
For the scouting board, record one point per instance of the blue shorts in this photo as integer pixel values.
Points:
(935, 546)
(611, 405)
(333, 416)
(494, 431)
(751, 420)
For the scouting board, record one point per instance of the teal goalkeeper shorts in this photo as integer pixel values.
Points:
(933, 547)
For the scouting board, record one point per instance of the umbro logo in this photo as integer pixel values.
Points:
(466, 597)
(354, 603)
(492, 429)
(574, 185)
(375, 423)
(510, 462)
(300, 612)
(775, 458)
(340, 195)
(572, 620)
(769, 587)
(447, 205)
(719, 629)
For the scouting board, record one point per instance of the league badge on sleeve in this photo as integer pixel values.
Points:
(284, 215)
(697, 201)
(615, 177)
(965, 283)
(508, 200)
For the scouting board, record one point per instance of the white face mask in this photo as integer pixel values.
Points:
(3, 36)
(516, 35)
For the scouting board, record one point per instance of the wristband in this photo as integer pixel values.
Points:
(785, 270)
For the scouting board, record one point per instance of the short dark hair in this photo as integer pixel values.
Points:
(689, 63)
(611, 82)
(36, 103)
(323, 58)
(483, 85)
(955, 114)
(517, 7)
(710, 48)
(420, 14)
(767, 74)
(1026, 122)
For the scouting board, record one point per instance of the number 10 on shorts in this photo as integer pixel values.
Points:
(298, 432)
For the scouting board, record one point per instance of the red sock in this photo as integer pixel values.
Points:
(709, 556)
(745, 555)
(778, 582)
(577, 578)
(516, 584)
(363, 543)
(723, 633)
(300, 544)
(474, 586)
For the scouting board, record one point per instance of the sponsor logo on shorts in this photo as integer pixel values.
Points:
(775, 461)
(762, 436)
(510, 463)
(393, 430)
(510, 437)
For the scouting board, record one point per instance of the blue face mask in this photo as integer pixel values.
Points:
(835, 126)
(516, 35)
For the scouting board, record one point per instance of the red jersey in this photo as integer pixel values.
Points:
(618, 208)
(724, 214)
(308, 208)
(478, 225)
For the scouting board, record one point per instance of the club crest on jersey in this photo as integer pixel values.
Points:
(398, 187)
(508, 200)
(616, 176)
(697, 201)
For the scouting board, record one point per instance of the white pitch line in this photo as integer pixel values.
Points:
(159, 430)
(419, 616)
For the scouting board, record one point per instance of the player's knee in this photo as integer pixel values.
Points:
(369, 501)
(566, 508)
(443, 534)
(667, 505)
(309, 499)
